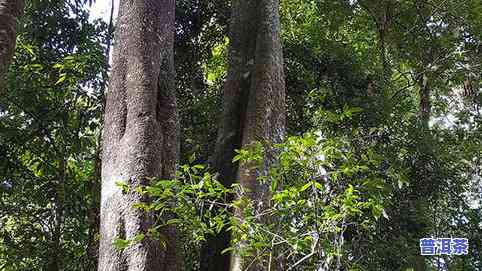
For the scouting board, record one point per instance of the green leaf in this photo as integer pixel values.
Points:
(198, 167)
(62, 78)
(139, 237)
(174, 221)
(121, 243)
(227, 250)
(123, 186)
(306, 186)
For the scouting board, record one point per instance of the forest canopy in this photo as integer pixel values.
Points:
(229, 135)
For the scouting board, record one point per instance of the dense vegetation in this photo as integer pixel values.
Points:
(383, 139)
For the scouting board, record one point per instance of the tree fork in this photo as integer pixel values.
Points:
(140, 136)
(253, 108)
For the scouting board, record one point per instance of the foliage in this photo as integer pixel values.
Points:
(321, 190)
(360, 179)
(194, 201)
(49, 120)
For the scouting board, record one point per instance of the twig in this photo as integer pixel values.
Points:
(305, 257)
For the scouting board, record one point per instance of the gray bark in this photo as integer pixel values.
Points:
(253, 109)
(10, 11)
(235, 100)
(265, 117)
(140, 136)
(95, 185)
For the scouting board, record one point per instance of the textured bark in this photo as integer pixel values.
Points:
(235, 100)
(424, 95)
(95, 185)
(140, 136)
(10, 11)
(265, 116)
(253, 109)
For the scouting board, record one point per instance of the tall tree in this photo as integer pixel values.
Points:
(10, 11)
(253, 108)
(140, 137)
(264, 119)
(51, 98)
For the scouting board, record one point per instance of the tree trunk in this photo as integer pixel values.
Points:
(140, 136)
(56, 257)
(235, 100)
(253, 108)
(424, 188)
(424, 95)
(10, 11)
(93, 215)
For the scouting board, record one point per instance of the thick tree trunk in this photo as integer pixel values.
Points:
(10, 11)
(140, 136)
(235, 100)
(265, 115)
(253, 108)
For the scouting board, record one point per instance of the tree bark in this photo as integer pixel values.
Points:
(424, 96)
(56, 261)
(140, 136)
(265, 120)
(235, 100)
(93, 215)
(424, 187)
(10, 11)
(253, 109)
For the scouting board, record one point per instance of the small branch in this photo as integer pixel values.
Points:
(306, 257)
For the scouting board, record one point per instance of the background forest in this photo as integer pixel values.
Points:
(383, 141)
